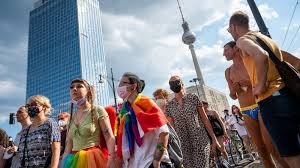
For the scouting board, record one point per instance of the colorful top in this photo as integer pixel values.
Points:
(39, 141)
(87, 134)
(273, 77)
(134, 121)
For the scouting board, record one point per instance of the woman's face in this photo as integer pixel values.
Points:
(78, 91)
(35, 109)
(125, 88)
(176, 84)
(235, 110)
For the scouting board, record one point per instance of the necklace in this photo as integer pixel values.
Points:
(82, 116)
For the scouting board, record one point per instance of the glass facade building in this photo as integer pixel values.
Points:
(65, 42)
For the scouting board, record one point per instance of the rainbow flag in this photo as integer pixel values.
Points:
(135, 120)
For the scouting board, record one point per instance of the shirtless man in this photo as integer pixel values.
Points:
(280, 113)
(240, 88)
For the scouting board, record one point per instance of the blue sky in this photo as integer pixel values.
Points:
(144, 37)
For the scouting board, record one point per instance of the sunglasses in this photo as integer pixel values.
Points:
(175, 82)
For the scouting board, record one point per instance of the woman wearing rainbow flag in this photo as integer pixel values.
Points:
(142, 133)
(83, 148)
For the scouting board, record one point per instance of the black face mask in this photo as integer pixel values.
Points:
(33, 111)
(175, 86)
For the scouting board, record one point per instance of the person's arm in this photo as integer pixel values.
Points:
(169, 117)
(171, 121)
(109, 138)
(55, 147)
(162, 145)
(260, 58)
(204, 119)
(293, 60)
(2, 161)
(221, 122)
(69, 145)
(231, 85)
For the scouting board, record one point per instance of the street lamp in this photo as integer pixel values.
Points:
(196, 85)
(112, 85)
(12, 117)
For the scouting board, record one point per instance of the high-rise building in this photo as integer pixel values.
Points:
(65, 42)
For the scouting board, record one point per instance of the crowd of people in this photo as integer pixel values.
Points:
(166, 132)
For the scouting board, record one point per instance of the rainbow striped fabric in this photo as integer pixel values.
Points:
(86, 158)
(135, 120)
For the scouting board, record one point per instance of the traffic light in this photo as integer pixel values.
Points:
(12, 118)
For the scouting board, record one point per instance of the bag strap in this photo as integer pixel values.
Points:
(48, 161)
(272, 56)
(25, 147)
(236, 117)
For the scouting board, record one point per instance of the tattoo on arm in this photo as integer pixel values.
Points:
(159, 152)
(106, 130)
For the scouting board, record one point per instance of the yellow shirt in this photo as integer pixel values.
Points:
(273, 78)
(87, 134)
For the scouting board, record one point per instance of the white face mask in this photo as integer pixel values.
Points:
(160, 102)
(62, 123)
(122, 92)
(79, 102)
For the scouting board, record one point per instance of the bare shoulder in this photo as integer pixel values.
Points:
(243, 42)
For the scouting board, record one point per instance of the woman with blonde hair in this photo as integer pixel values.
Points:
(40, 142)
(186, 114)
(83, 148)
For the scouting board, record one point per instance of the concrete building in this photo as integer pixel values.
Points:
(217, 100)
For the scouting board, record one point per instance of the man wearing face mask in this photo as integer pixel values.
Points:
(63, 121)
(186, 113)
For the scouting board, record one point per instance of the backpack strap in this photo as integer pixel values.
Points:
(263, 45)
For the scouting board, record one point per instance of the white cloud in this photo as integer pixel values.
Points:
(267, 12)
(10, 89)
(149, 42)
